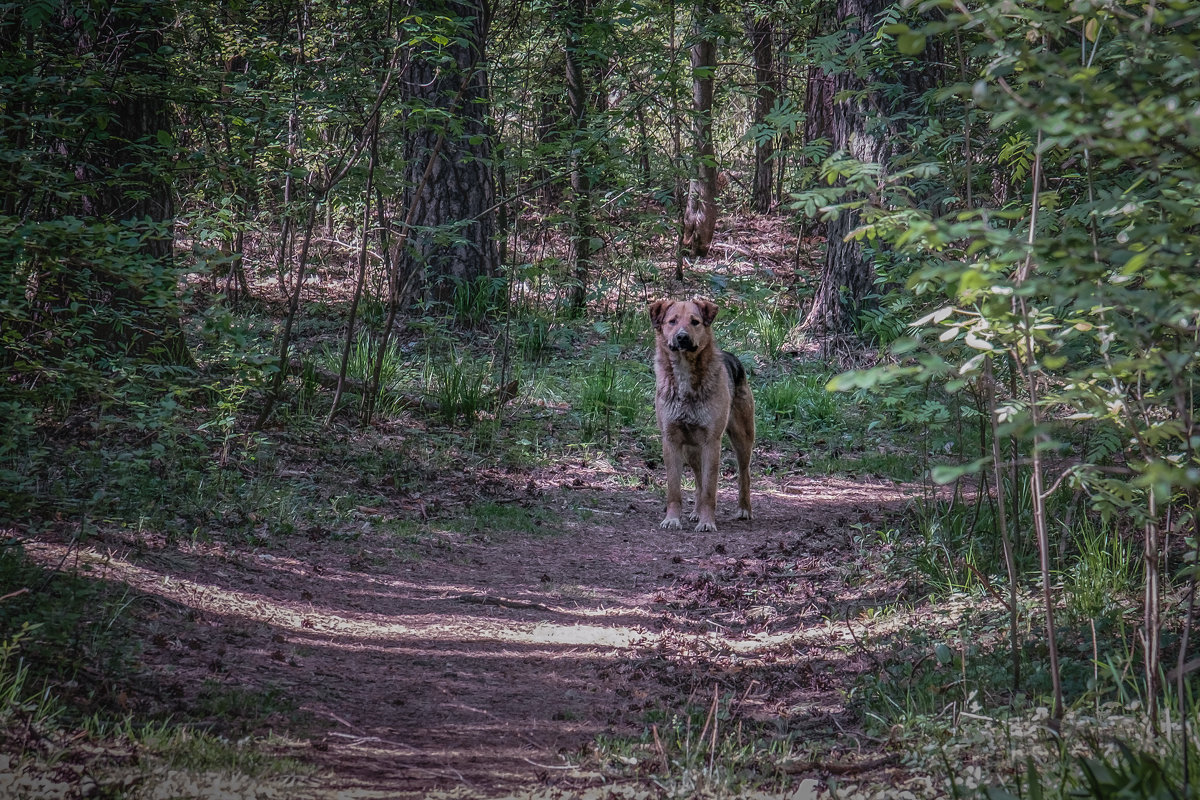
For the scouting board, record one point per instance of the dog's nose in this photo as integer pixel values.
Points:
(682, 340)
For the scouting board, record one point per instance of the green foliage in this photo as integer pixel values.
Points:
(1105, 574)
(56, 628)
(1117, 772)
(768, 329)
(534, 334)
(20, 702)
(954, 551)
(458, 383)
(800, 401)
(1090, 312)
(491, 519)
(476, 300)
(614, 394)
(702, 752)
(360, 366)
(1046, 281)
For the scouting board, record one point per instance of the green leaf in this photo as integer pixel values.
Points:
(949, 473)
(977, 343)
(911, 43)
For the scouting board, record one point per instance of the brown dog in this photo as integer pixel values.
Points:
(701, 393)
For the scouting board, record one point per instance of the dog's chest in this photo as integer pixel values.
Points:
(686, 409)
(683, 413)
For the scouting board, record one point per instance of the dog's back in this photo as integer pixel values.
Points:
(737, 372)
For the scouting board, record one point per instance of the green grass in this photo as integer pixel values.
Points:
(612, 395)
(799, 401)
(66, 662)
(488, 519)
(534, 334)
(360, 362)
(476, 300)
(761, 328)
(704, 752)
(895, 466)
(459, 383)
(1105, 572)
(395, 372)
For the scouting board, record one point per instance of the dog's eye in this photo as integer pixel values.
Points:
(695, 321)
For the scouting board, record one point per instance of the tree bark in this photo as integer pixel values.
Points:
(452, 239)
(852, 125)
(116, 152)
(700, 217)
(762, 49)
(583, 231)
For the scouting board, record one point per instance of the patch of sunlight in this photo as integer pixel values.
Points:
(308, 621)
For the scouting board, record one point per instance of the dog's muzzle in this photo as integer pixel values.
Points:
(682, 341)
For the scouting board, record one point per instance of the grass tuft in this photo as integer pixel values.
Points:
(801, 401)
(612, 395)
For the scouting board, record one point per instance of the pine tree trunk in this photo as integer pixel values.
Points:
(700, 217)
(452, 240)
(761, 44)
(853, 125)
(583, 231)
(120, 181)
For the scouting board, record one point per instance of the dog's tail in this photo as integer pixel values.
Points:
(733, 365)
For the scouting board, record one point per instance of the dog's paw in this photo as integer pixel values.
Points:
(694, 516)
(706, 526)
(670, 523)
(743, 513)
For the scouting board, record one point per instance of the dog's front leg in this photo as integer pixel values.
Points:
(706, 486)
(673, 459)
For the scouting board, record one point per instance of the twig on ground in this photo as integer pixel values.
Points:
(835, 768)
(357, 740)
(861, 647)
(489, 600)
(987, 585)
(548, 766)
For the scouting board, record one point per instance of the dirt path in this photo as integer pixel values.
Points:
(491, 666)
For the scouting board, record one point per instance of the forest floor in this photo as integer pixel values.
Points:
(398, 612)
(494, 665)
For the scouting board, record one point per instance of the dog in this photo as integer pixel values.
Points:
(700, 394)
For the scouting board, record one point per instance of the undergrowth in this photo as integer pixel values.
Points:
(702, 751)
(68, 671)
(187, 466)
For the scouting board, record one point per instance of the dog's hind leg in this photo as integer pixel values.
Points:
(742, 441)
(741, 449)
(741, 436)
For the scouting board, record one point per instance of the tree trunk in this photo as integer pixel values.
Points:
(644, 146)
(853, 125)
(700, 217)
(583, 231)
(117, 152)
(762, 48)
(452, 240)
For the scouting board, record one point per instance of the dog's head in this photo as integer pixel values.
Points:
(683, 324)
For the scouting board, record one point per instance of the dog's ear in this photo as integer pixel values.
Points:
(658, 312)
(708, 310)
